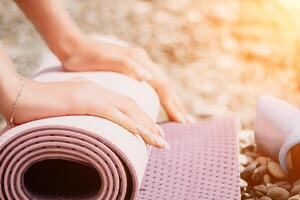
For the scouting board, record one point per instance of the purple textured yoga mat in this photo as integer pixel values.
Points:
(201, 164)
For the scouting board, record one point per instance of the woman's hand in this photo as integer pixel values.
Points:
(91, 55)
(81, 97)
(79, 53)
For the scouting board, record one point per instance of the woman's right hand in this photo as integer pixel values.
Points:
(81, 97)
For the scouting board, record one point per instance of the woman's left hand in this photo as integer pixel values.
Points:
(92, 55)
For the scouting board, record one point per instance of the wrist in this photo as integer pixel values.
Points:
(9, 86)
(67, 45)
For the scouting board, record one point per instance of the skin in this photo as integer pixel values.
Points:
(77, 52)
(42, 100)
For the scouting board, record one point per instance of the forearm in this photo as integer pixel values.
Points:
(9, 80)
(55, 25)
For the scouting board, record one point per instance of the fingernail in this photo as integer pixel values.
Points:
(144, 73)
(158, 140)
(160, 130)
(190, 119)
(180, 117)
(167, 146)
(161, 142)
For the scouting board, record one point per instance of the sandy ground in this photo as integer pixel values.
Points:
(222, 54)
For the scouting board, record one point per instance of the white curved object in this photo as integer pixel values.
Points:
(277, 128)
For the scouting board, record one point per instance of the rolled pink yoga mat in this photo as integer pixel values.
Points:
(202, 164)
(85, 157)
(102, 159)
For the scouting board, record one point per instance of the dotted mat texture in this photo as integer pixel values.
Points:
(201, 164)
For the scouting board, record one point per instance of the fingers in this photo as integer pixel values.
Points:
(137, 71)
(149, 131)
(180, 107)
(135, 127)
(168, 96)
(161, 131)
(172, 111)
(173, 105)
(142, 74)
(152, 139)
(124, 111)
(160, 82)
(131, 65)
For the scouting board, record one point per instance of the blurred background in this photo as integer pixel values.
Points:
(222, 54)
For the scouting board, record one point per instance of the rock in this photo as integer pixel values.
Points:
(284, 184)
(258, 174)
(260, 188)
(246, 195)
(276, 171)
(242, 168)
(295, 189)
(258, 194)
(267, 179)
(245, 160)
(295, 197)
(246, 137)
(251, 167)
(249, 148)
(243, 183)
(270, 185)
(251, 154)
(246, 174)
(278, 193)
(262, 160)
(264, 198)
(296, 182)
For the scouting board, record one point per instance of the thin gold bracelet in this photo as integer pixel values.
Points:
(11, 121)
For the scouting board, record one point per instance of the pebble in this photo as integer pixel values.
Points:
(278, 193)
(243, 183)
(267, 179)
(258, 174)
(258, 194)
(251, 167)
(295, 197)
(296, 182)
(276, 171)
(251, 154)
(284, 184)
(270, 185)
(262, 160)
(260, 188)
(264, 198)
(242, 168)
(295, 189)
(246, 174)
(246, 195)
(245, 160)
(248, 149)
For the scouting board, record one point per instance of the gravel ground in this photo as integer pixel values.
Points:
(261, 177)
(222, 54)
